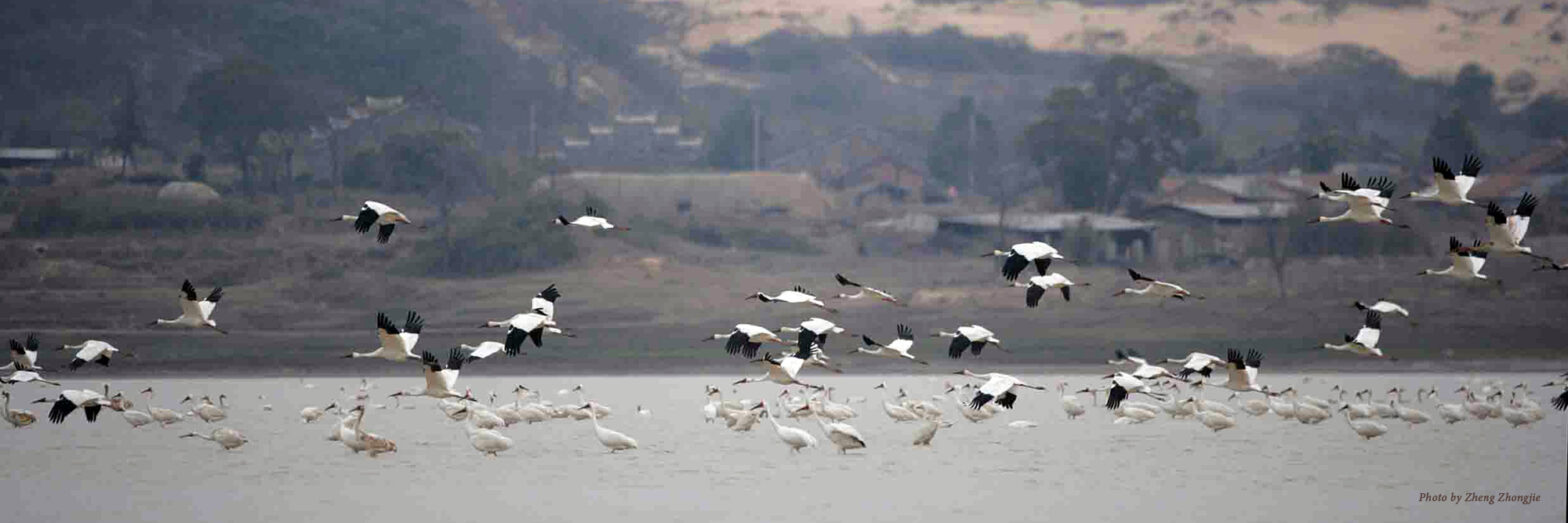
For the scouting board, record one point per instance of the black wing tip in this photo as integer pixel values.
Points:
(1526, 206)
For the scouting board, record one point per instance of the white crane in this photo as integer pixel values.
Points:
(195, 313)
(1367, 205)
(1412, 416)
(90, 401)
(206, 410)
(1211, 406)
(396, 344)
(842, 435)
(90, 351)
(796, 295)
(1255, 407)
(794, 438)
(376, 214)
(1070, 405)
(1215, 421)
(25, 357)
(487, 441)
(1243, 372)
(1449, 188)
(1145, 371)
(311, 414)
(1039, 284)
(1365, 340)
(971, 337)
(227, 438)
(441, 381)
(927, 430)
(1021, 255)
(1305, 413)
(1366, 428)
(1123, 385)
(612, 440)
(863, 290)
(1155, 288)
(544, 302)
(528, 326)
(1385, 307)
(745, 339)
(782, 370)
(1465, 263)
(164, 417)
(590, 219)
(815, 331)
(1507, 230)
(897, 413)
(25, 376)
(898, 348)
(17, 418)
(998, 387)
(1197, 362)
(1450, 412)
(357, 440)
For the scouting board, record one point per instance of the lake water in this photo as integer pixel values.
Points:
(1265, 469)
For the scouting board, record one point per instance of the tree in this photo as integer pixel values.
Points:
(1321, 144)
(965, 149)
(732, 147)
(237, 102)
(128, 131)
(1545, 115)
(1473, 92)
(1119, 134)
(1451, 135)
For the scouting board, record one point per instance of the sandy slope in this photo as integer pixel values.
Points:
(1431, 40)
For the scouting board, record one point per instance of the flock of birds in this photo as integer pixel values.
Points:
(977, 401)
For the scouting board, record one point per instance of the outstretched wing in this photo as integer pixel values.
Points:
(367, 217)
(1520, 221)
(1348, 183)
(905, 333)
(980, 400)
(1440, 168)
(1032, 297)
(736, 340)
(189, 290)
(1114, 399)
(1014, 266)
(1006, 399)
(549, 294)
(384, 233)
(956, 349)
(1138, 277)
(845, 281)
(1042, 265)
(412, 323)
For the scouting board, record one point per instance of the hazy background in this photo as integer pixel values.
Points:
(755, 146)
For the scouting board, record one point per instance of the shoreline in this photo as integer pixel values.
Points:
(1510, 366)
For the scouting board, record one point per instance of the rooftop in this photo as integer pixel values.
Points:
(1053, 222)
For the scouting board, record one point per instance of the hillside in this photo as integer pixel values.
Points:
(1429, 38)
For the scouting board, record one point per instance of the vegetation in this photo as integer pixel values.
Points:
(1121, 133)
(127, 210)
(965, 149)
(732, 146)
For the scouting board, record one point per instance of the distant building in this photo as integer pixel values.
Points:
(1199, 231)
(633, 141)
(1113, 237)
(34, 157)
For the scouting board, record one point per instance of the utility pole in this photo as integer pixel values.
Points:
(533, 130)
(971, 155)
(756, 138)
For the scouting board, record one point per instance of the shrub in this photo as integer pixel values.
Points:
(129, 210)
(489, 246)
